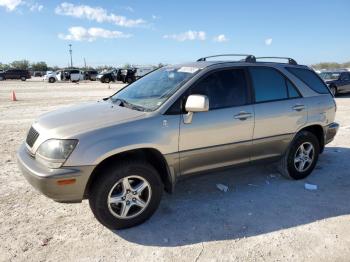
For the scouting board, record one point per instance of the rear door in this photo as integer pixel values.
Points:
(279, 112)
(223, 135)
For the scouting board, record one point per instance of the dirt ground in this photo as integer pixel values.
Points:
(262, 217)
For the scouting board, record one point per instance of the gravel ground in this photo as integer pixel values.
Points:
(261, 217)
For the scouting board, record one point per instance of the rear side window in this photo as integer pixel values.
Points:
(310, 78)
(269, 84)
(292, 92)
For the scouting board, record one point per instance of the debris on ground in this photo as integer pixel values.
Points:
(310, 186)
(222, 187)
(45, 241)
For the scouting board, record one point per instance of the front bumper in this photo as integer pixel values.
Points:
(46, 180)
(330, 132)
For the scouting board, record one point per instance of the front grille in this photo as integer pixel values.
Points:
(32, 137)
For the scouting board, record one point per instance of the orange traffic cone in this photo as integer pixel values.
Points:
(14, 98)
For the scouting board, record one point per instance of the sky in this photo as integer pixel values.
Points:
(115, 32)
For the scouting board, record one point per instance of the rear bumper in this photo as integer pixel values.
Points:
(46, 180)
(330, 132)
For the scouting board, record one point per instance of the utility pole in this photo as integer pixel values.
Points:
(70, 52)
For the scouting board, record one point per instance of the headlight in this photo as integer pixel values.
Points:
(54, 152)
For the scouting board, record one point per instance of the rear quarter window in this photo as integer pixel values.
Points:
(310, 78)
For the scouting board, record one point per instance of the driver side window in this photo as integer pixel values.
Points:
(226, 88)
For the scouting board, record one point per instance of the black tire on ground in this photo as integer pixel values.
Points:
(334, 90)
(129, 80)
(52, 80)
(23, 78)
(106, 80)
(101, 187)
(287, 166)
(2, 78)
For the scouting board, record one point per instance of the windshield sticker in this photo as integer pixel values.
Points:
(187, 69)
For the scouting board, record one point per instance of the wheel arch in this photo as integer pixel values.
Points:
(151, 155)
(318, 131)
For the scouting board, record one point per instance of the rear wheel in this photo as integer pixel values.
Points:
(2, 78)
(52, 80)
(126, 194)
(301, 157)
(106, 80)
(23, 78)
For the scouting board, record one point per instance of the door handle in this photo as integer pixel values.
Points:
(243, 115)
(298, 107)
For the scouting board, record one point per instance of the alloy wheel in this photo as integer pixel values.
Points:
(129, 197)
(304, 157)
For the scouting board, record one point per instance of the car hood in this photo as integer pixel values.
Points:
(72, 121)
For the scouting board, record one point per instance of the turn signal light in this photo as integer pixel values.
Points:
(66, 182)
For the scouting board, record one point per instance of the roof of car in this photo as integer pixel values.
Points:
(204, 64)
(242, 60)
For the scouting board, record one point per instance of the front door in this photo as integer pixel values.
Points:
(223, 135)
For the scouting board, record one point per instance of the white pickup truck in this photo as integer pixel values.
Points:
(73, 75)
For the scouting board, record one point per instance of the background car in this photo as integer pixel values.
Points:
(108, 76)
(337, 81)
(128, 75)
(73, 75)
(15, 74)
(90, 75)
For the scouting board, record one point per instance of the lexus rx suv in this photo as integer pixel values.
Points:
(123, 151)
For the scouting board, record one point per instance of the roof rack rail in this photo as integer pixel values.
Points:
(291, 61)
(248, 58)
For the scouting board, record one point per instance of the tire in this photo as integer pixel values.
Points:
(290, 164)
(106, 80)
(52, 80)
(23, 78)
(2, 78)
(110, 214)
(334, 90)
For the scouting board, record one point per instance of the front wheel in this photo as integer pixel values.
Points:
(23, 78)
(106, 80)
(126, 194)
(52, 80)
(334, 90)
(301, 157)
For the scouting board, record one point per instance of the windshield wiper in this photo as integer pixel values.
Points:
(124, 103)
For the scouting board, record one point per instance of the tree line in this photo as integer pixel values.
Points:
(331, 65)
(42, 66)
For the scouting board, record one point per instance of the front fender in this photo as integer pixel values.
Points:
(96, 146)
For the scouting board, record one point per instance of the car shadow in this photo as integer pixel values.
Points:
(258, 201)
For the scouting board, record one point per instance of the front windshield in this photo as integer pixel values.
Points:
(330, 75)
(152, 90)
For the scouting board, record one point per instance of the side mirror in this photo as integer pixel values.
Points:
(197, 103)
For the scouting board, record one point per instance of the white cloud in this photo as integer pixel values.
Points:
(36, 7)
(155, 17)
(189, 35)
(10, 5)
(268, 41)
(78, 33)
(220, 38)
(96, 14)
